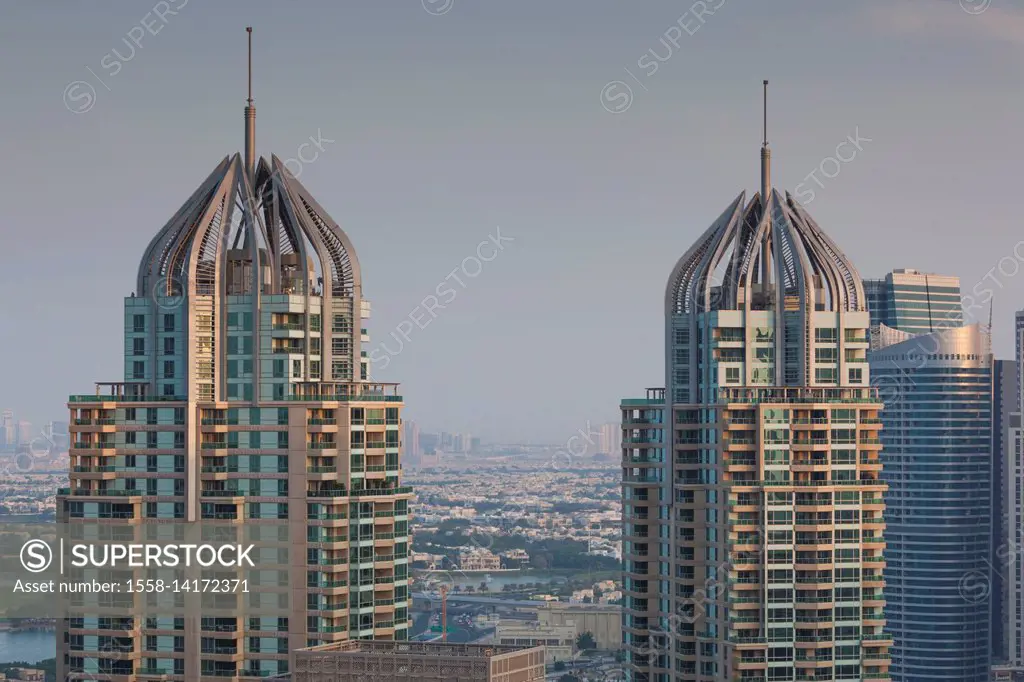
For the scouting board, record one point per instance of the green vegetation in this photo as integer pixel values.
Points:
(49, 666)
(585, 641)
(544, 554)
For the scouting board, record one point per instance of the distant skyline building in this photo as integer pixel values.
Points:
(1018, 342)
(429, 443)
(244, 406)
(412, 442)
(24, 432)
(937, 440)
(1008, 550)
(1005, 515)
(752, 501)
(915, 302)
(609, 439)
(8, 428)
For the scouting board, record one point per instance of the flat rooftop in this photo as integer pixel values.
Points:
(440, 649)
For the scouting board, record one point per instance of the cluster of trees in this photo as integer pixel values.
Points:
(48, 666)
(586, 643)
(544, 554)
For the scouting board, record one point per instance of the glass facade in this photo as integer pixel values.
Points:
(915, 302)
(937, 440)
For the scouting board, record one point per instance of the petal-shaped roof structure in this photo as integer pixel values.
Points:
(277, 224)
(768, 254)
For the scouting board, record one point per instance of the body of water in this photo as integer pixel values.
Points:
(29, 645)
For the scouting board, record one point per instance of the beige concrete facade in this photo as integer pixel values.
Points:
(752, 499)
(369, 661)
(558, 640)
(246, 402)
(330, 501)
(603, 622)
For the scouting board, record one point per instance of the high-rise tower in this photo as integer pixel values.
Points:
(751, 494)
(935, 377)
(245, 400)
(915, 302)
(937, 442)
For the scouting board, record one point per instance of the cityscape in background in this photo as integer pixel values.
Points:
(946, 448)
(869, 485)
(823, 483)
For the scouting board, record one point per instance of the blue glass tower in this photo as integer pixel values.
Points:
(936, 454)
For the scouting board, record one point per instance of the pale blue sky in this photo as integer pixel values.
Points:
(449, 126)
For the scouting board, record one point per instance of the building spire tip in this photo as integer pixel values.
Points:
(250, 121)
(766, 154)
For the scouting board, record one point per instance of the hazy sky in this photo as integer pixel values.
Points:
(451, 119)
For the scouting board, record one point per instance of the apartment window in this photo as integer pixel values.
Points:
(169, 322)
(825, 354)
(169, 346)
(296, 369)
(732, 375)
(168, 389)
(138, 370)
(138, 346)
(139, 323)
(826, 335)
(168, 369)
(856, 375)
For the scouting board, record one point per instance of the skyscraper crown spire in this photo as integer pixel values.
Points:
(766, 153)
(250, 123)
